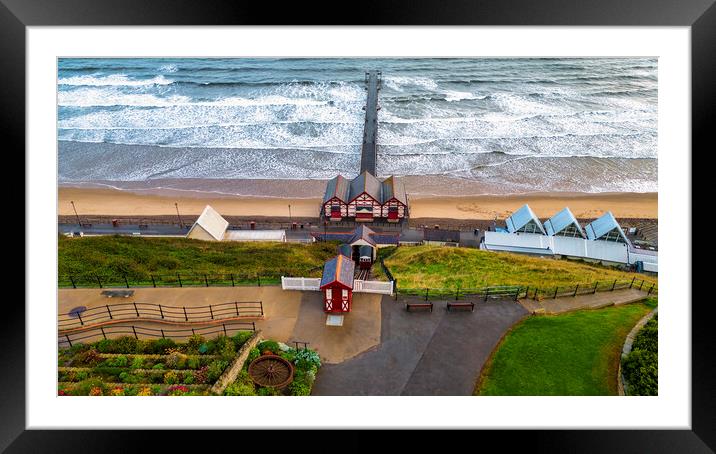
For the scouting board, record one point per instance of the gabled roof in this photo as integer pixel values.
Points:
(363, 233)
(561, 221)
(212, 223)
(338, 269)
(337, 187)
(394, 187)
(365, 182)
(600, 228)
(522, 218)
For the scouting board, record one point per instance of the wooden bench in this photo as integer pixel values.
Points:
(465, 304)
(408, 306)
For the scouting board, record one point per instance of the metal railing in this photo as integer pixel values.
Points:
(93, 280)
(149, 311)
(516, 292)
(226, 329)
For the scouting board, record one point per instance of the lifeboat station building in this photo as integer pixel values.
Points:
(365, 199)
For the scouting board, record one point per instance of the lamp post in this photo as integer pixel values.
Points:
(181, 224)
(76, 215)
(290, 219)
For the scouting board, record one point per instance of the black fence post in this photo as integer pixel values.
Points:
(641, 285)
(135, 332)
(517, 293)
(154, 284)
(527, 292)
(487, 292)
(650, 289)
(426, 294)
(575, 290)
(192, 332)
(73, 282)
(161, 312)
(179, 277)
(632, 282)
(536, 294)
(162, 333)
(135, 309)
(555, 292)
(186, 317)
(109, 311)
(253, 326)
(103, 335)
(211, 312)
(206, 280)
(236, 303)
(98, 281)
(258, 279)
(614, 285)
(126, 281)
(224, 325)
(67, 336)
(232, 279)
(80, 317)
(595, 287)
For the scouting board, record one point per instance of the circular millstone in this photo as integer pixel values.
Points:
(271, 371)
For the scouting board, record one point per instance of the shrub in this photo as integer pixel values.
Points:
(105, 346)
(201, 376)
(86, 386)
(216, 368)
(117, 361)
(224, 346)
(193, 344)
(648, 338)
(126, 377)
(299, 388)
(158, 366)
(145, 391)
(192, 363)
(117, 391)
(90, 357)
(241, 337)
(125, 344)
(253, 354)
(242, 386)
(162, 345)
(171, 378)
(144, 346)
(137, 363)
(175, 359)
(268, 392)
(269, 345)
(205, 348)
(307, 359)
(188, 379)
(641, 373)
(177, 390)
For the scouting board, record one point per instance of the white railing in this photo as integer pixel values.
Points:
(300, 283)
(385, 288)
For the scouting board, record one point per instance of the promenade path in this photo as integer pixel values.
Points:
(423, 353)
(589, 301)
(288, 315)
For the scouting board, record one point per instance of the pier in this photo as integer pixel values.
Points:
(368, 151)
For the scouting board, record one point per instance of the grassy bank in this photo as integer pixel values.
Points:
(442, 267)
(573, 354)
(139, 257)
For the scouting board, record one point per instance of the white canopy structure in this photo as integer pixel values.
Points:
(564, 224)
(524, 220)
(210, 226)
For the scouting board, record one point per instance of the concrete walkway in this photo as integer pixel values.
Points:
(423, 353)
(590, 301)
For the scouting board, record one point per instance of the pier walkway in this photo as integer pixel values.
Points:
(368, 151)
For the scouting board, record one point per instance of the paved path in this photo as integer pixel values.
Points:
(590, 301)
(423, 353)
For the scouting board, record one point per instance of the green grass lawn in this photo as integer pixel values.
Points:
(140, 257)
(417, 267)
(573, 354)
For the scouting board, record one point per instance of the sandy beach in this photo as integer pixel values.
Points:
(100, 201)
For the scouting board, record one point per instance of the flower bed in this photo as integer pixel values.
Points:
(306, 363)
(127, 366)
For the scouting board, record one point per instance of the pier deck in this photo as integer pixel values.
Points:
(368, 151)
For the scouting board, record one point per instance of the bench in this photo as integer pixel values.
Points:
(143, 226)
(409, 306)
(465, 305)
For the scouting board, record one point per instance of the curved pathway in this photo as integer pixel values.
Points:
(423, 353)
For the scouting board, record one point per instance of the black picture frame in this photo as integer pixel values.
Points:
(700, 15)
